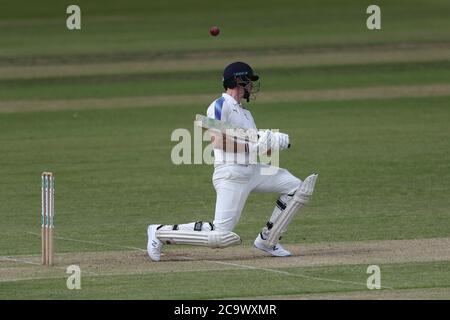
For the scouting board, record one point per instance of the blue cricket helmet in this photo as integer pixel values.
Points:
(238, 70)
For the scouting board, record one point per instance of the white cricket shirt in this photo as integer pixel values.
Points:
(227, 109)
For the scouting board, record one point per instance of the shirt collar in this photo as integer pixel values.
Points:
(231, 99)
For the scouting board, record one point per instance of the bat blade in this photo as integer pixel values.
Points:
(227, 128)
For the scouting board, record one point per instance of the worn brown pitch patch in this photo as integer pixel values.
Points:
(195, 259)
(403, 294)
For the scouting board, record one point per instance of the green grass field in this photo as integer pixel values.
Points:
(369, 110)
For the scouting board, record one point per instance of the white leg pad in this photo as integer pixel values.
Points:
(213, 239)
(299, 200)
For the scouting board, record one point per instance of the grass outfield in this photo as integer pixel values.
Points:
(190, 82)
(113, 168)
(383, 155)
(235, 284)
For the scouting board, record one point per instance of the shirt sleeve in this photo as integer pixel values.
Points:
(219, 110)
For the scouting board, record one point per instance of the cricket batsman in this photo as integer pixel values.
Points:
(235, 177)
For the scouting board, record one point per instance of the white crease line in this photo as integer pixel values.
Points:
(11, 259)
(225, 263)
(191, 259)
(93, 242)
(19, 260)
(28, 279)
(113, 274)
(160, 272)
(287, 273)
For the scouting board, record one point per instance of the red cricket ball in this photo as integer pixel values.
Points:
(214, 31)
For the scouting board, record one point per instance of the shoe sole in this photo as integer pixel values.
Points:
(270, 252)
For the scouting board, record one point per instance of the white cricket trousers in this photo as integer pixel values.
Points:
(234, 182)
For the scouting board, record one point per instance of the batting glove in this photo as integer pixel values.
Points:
(280, 141)
(263, 144)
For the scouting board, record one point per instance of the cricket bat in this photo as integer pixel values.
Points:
(226, 128)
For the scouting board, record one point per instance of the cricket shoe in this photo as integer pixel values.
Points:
(154, 245)
(276, 250)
